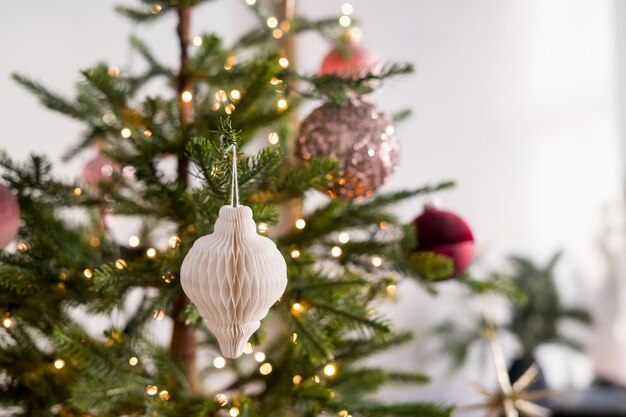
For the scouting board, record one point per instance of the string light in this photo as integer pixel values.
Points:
(285, 25)
(88, 273)
(231, 61)
(152, 389)
(296, 379)
(164, 395)
(343, 413)
(108, 118)
(250, 2)
(167, 277)
(248, 348)
(383, 225)
(229, 109)
(219, 362)
(197, 41)
(78, 191)
(336, 251)
(297, 309)
(156, 8)
(275, 81)
(283, 62)
(330, 370)
(133, 241)
(125, 133)
(262, 227)
(391, 289)
(316, 379)
(272, 138)
(220, 95)
(133, 361)
(174, 241)
(345, 21)
(281, 104)
(147, 133)
(61, 285)
(295, 254)
(235, 94)
(347, 8)
(215, 106)
(63, 275)
(265, 369)
(151, 253)
(259, 357)
(294, 338)
(343, 237)
(300, 224)
(272, 22)
(94, 241)
(233, 412)
(59, 363)
(221, 399)
(376, 261)
(158, 314)
(186, 96)
(113, 71)
(8, 321)
(277, 33)
(22, 247)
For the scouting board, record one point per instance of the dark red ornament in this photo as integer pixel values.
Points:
(9, 216)
(444, 233)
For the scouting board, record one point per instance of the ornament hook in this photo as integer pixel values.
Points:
(234, 186)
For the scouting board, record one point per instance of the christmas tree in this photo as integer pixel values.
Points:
(343, 259)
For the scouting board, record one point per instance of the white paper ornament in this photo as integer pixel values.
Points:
(233, 276)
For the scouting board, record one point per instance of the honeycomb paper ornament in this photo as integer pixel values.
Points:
(233, 276)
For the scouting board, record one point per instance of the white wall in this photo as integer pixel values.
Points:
(517, 101)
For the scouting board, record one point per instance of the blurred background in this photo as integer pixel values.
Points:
(522, 103)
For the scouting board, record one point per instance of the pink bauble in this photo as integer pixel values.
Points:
(356, 62)
(9, 216)
(99, 170)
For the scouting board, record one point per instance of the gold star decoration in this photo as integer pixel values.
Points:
(510, 399)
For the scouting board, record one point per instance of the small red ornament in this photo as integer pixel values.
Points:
(9, 216)
(444, 233)
(353, 61)
(100, 170)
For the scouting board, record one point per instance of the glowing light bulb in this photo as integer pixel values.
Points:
(221, 399)
(229, 109)
(336, 251)
(113, 71)
(330, 370)
(391, 289)
(262, 227)
(296, 379)
(152, 389)
(376, 261)
(295, 254)
(120, 264)
(248, 348)
(281, 104)
(283, 62)
(164, 395)
(272, 138)
(345, 21)
(197, 41)
(8, 322)
(343, 237)
(294, 338)
(259, 357)
(272, 22)
(174, 241)
(133, 361)
(265, 369)
(235, 94)
(347, 8)
(21, 247)
(300, 224)
(78, 191)
(94, 241)
(158, 314)
(277, 33)
(219, 362)
(151, 253)
(233, 412)
(147, 133)
(186, 96)
(167, 277)
(250, 2)
(133, 241)
(297, 309)
(125, 133)
(88, 273)
(275, 81)
(59, 363)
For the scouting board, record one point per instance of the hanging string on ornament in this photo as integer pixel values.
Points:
(234, 275)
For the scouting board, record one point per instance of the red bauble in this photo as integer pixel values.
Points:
(356, 62)
(444, 233)
(9, 216)
(100, 170)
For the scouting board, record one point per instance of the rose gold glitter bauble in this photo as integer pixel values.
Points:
(100, 169)
(9, 216)
(357, 134)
